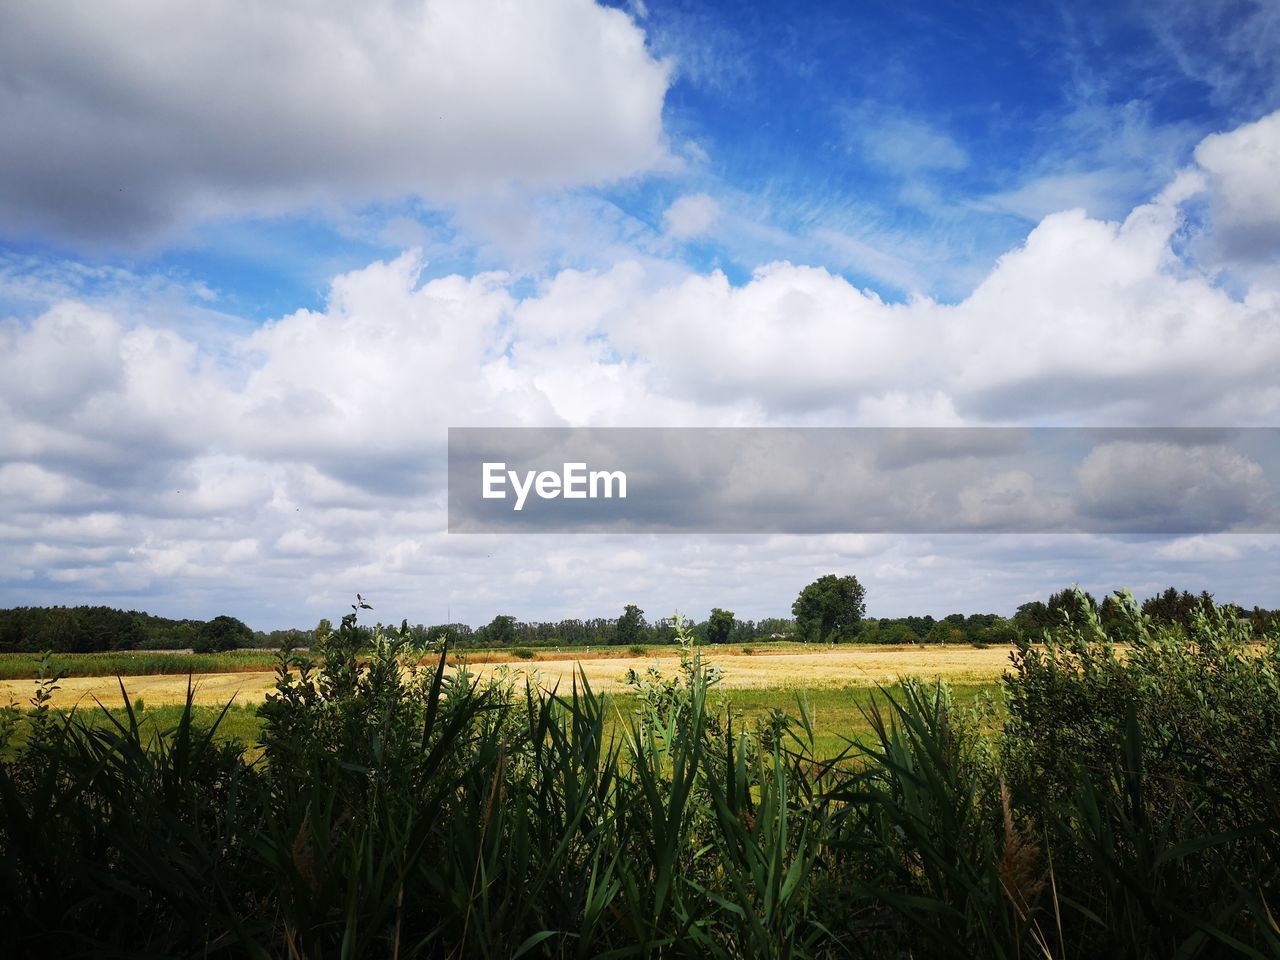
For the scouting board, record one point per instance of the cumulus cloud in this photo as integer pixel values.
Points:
(310, 450)
(1244, 167)
(690, 216)
(1202, 488)
(244, 108)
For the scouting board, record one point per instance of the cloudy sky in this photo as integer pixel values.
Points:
(257, 258)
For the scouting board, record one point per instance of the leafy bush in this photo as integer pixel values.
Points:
(1155, 771)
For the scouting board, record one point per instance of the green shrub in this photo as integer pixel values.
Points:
(1155, 772)
(522, 653)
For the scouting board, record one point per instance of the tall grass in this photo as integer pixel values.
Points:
(22, 666)
(399, 809)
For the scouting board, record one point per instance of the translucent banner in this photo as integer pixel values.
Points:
(864, 480)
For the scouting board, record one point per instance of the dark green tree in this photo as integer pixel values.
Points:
(830, 608)
(221, 633)
(720, 625)
(61, 631)
(501, 631)
(1034, 618)
(631, 627)
(1070, 604)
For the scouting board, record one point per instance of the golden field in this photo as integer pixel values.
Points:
(793, 667)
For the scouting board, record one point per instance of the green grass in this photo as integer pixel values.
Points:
(837, 713)
(22, 666)
(241, 721)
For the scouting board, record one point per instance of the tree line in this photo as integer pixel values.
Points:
(831, 609)
(99, 629)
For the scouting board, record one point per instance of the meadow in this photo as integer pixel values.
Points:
(248, 676)
(23, 666)
(837, 685)
(1088, 802)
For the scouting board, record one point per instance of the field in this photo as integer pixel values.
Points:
(836, 684)
(246, 677)
(20, 666)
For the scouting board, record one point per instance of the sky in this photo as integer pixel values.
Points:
(257, 258)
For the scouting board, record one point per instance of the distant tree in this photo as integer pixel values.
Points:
(61, 631)
(631, 628)
(896, 632)
(1070, 604)
(720, 625)
(222, 633)
(920, 625)
(323, 629)
(830, 608)
(999, 630)
(1113, 612)
(501, 631)
(1174, 607)
(1033, 618)
(944, 632)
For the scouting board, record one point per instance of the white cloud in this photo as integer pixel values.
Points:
(900, 144)
(1199, 549)
(1098, 192)
(690, 216)
(1196, 488)
(239, 108)
(308, 452)
(1244, 173)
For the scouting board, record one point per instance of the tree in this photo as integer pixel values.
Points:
(1072, 604)
(830, 608)
(943, 632)
(1033, 618)
(61, 631)
(221, 633)
(896, 632)
(631, 627)
(720, 625)
(501, 631)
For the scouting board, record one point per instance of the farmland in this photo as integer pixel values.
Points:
(836, 683)
(248, 676)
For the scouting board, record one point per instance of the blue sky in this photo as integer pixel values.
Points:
(269, 263)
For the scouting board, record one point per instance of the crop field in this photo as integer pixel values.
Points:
(785, 670)
(20, 666)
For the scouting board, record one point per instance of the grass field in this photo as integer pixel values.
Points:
(20, 666)
(837, 713)
(131, 663)
(837, 684)
(792, 668)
